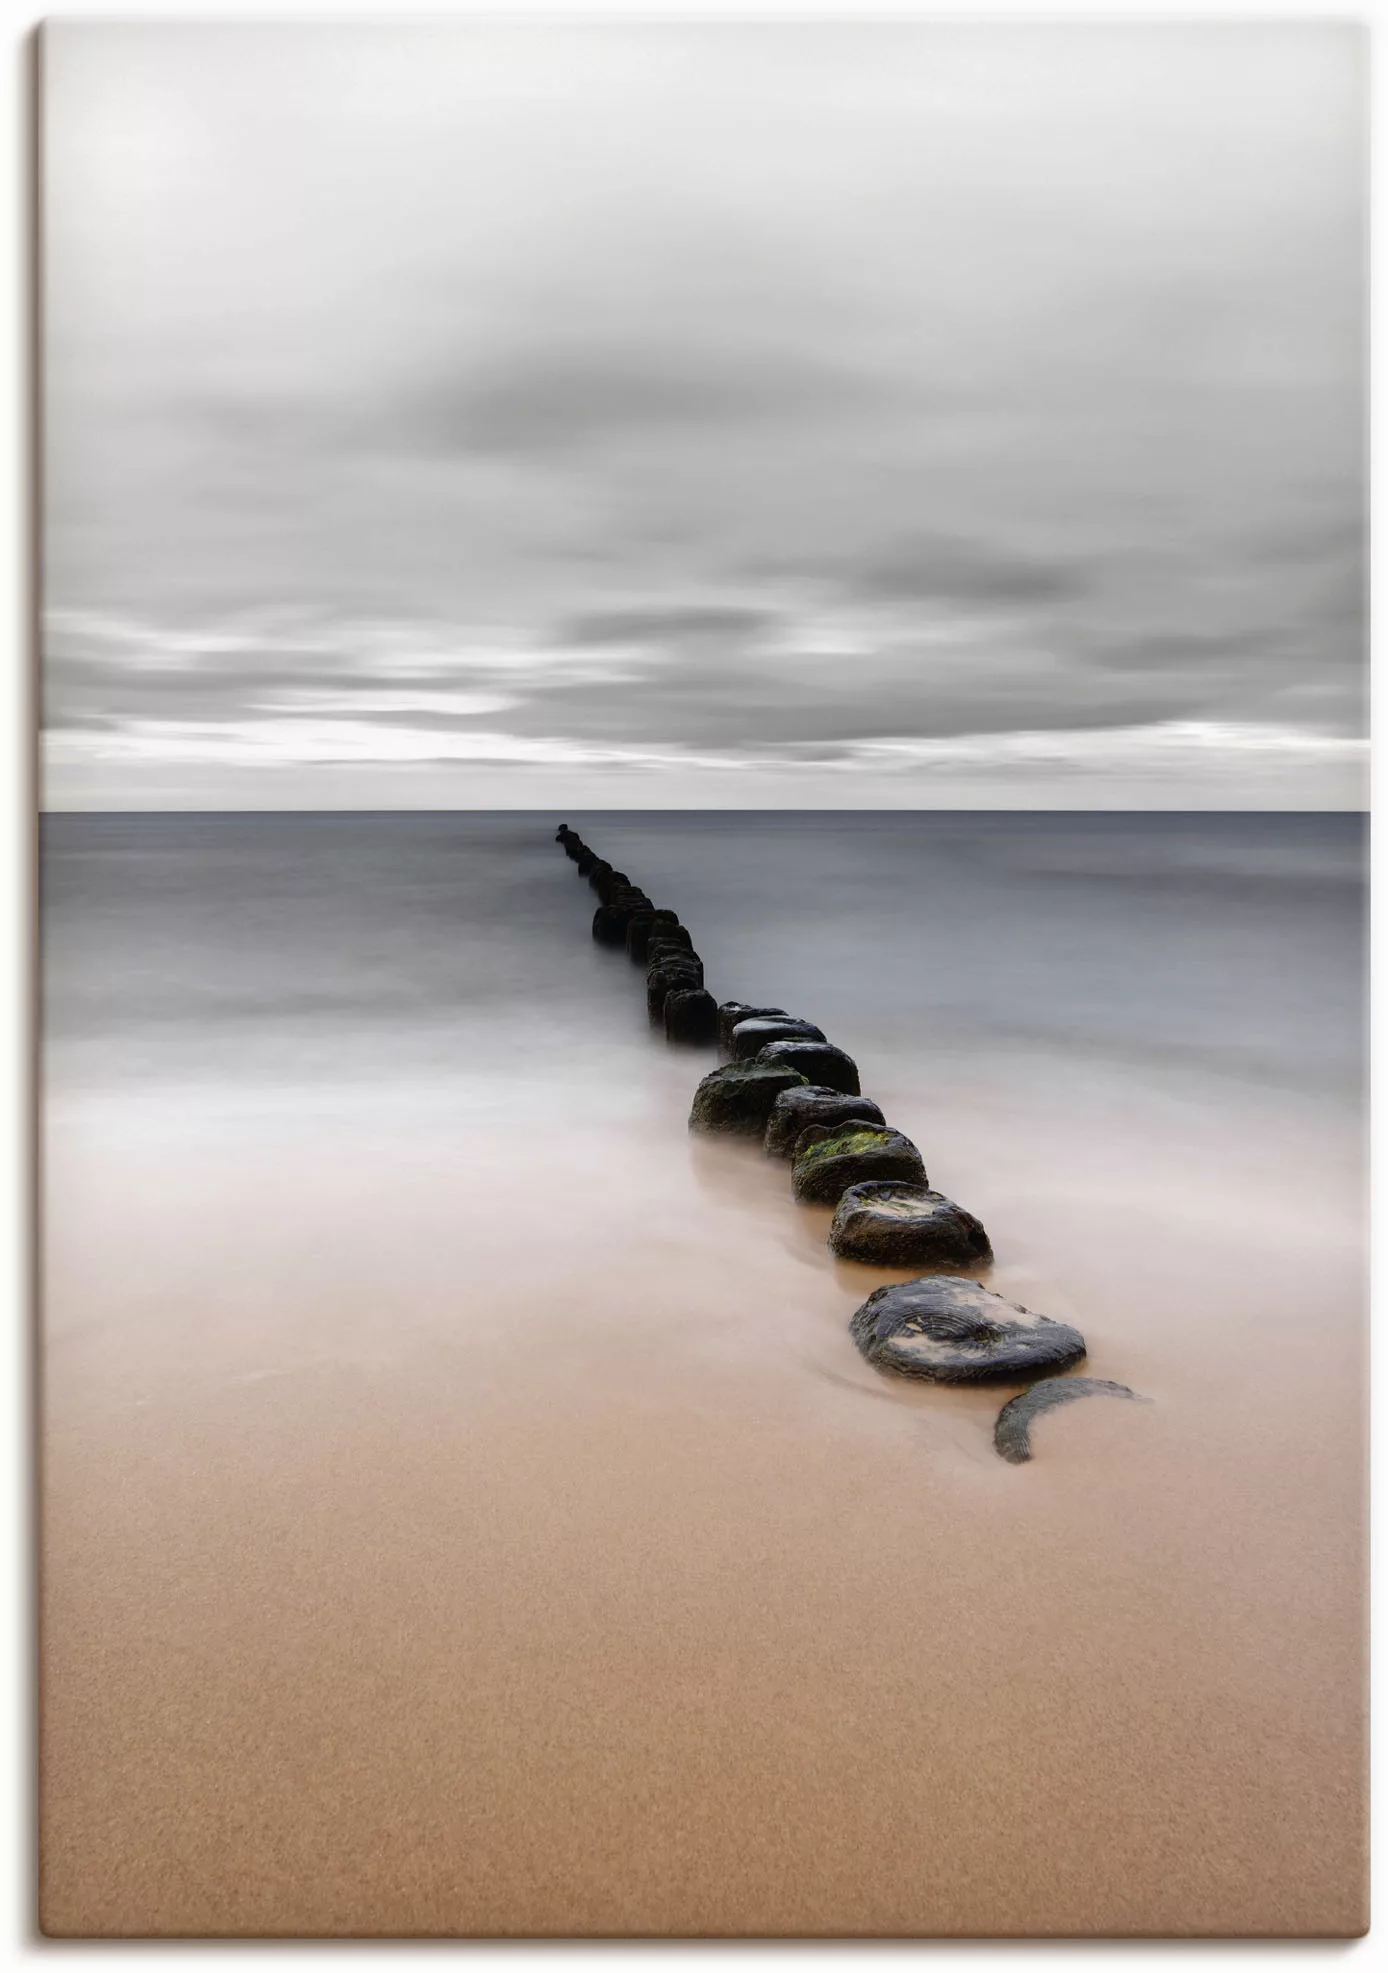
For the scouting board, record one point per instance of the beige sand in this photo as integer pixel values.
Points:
(436, 1541)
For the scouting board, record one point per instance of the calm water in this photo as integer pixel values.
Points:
(343, 946)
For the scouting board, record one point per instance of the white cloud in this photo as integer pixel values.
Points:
(1168, 742)
(287, 742)
(443, 703)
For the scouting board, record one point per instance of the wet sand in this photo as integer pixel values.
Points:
(464, 1510)
(429, 1552)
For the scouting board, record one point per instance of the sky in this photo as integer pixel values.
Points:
(660, 415)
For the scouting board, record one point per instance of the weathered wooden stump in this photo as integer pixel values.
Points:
(829, 1160)
(953, 1331)
(1012, 1433)
(736, 1099)
(691, 1015)
(889, 1224)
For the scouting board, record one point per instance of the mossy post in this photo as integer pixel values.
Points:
(799, 1109)
(684, 976)
(886, 1223)
(639, 936)
(828, 1161)
(736, 1100)
(748, 1037)
(691, 1017)
(732, 1012)
(819, 1061)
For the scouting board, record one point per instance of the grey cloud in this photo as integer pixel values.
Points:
(667, 623)
(85, 677)
(1176, 651)
(131, 672)
(1024, 363)
(1328, 543)
(737, 678)
(559, 398)
(952, 568)
(739, 702)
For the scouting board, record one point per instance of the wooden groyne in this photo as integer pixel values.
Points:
(786, 1083)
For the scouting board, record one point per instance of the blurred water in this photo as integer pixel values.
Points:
(342, 946)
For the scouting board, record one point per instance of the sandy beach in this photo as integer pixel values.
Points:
(464, 1510)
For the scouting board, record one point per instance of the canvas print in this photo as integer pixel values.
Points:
(702, 895)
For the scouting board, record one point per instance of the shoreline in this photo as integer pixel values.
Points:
(462, 1517)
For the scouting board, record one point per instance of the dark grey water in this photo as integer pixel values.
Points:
(348, 945)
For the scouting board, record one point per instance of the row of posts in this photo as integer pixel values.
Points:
(786, 1083)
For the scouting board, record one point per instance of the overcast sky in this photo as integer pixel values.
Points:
(666, 415)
